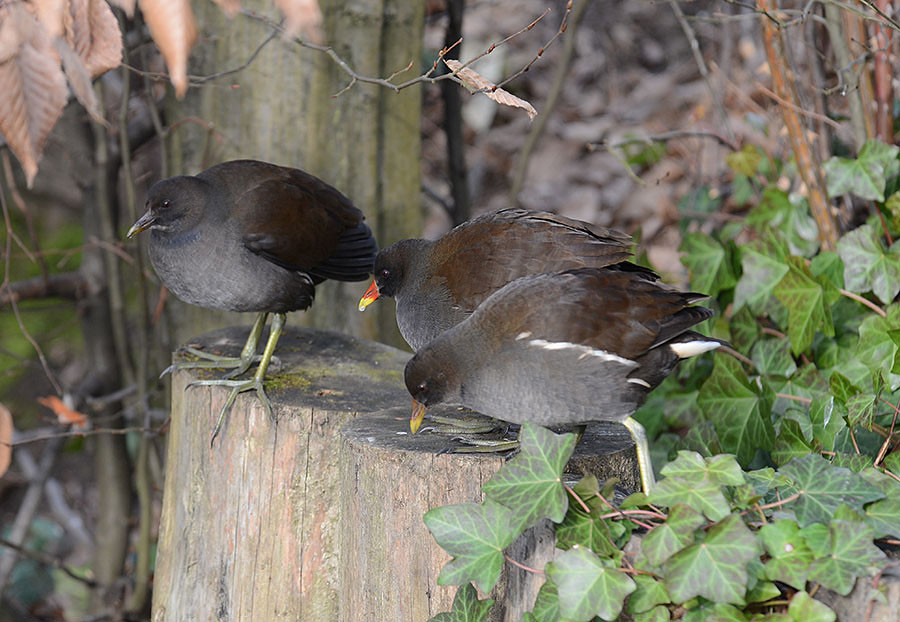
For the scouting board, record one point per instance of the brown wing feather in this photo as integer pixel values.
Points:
(297, 219)
(503, 246)
(618, 312)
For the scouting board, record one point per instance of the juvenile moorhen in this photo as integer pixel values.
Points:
(562, 349)
(437, 284)
(252, 236)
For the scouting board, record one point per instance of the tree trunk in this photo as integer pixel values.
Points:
(283, 109)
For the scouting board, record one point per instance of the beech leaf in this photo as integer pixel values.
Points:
(172, 27)
(301, 16)
(474, 81)
(6, 431)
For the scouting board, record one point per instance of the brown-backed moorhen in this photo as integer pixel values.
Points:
(562, 348)
(252, 236)
(437, 284)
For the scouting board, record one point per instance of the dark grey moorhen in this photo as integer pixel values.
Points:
(562, 349)
(437, 284)
(252, 236)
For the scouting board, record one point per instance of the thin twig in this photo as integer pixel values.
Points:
(47, 561)
(522, 566)
(795, 398)
(862, 300)
(577, 498)
(809, 113)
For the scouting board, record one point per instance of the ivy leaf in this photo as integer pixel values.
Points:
(708, 263)
(762, 591)
(474, 535)
(790, 443)
(532, 481)
(790, 556)
(701, 438)
(705, 495)
(822, 488)
(841, 387)
(804, 608)
(792, 219)
(848, 553)
(773, 356)
(716, 568)
(744, 161)
(739, 413)
(828, 265)
(649, 594)
(579, 528)
(867, 266)
(588, 586)
(864, 176)
(673, 535)
(725, 613)
(764, 264)
(876, 349)
(884, 517)
(861, 410)
(827, 420)
(466, 607)
(546, 605)
(744, 330)
(657, 614)
(804, 298)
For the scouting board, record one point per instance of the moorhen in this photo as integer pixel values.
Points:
(562, 349)
(437, 284)
(247, 235)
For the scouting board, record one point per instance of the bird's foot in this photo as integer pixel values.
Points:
(467, 422)
(209, 360)
(237, 387)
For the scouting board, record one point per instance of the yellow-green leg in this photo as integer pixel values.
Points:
(216, 361)
(648, 481)
(255, 383)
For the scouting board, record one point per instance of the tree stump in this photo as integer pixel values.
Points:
(249, 527)
(294, 520)
(389, 479)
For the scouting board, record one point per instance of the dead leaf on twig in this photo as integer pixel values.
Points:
(475, 82)
(6, 431)
(229, 7)
(172, 27)
(302, 16)
(64, 414)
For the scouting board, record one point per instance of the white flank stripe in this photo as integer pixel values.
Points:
(522, 336)
(693, 348)
(639, 381)
(585, 350)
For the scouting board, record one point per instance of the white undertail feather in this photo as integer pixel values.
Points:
(522, 336)
(688, 349)
(584, 350)
(639, 381)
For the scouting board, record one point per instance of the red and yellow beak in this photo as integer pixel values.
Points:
(418, 413)
(369, 297)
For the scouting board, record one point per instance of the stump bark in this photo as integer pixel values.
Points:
(296, 520)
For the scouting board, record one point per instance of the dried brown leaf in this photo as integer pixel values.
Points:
(229, 7)
(172, 27)
(302, 16)
(79, 79)
(6, 432)
(32, 88)
(474, 81)
(64, 414)
(51, 15)
(93, 32)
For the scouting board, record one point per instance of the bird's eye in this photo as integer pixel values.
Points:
(422, 388)
(165, 203)
(385, 274)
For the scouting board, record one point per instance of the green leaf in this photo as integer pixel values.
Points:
(579, 528)
(773, 356)
(861, 410)
(474, 535)
(790, 217)
(657, 614)
(466, 607)
(716, 568)
(804, 608)
(884, 517)
(763, 591)
(704, 495)
(701, 438)
(739, 412)
(828, 265)
(822, 488)
(531, 483)
(745, 161)
(790, 443)
(722, 469)
(876, 349)
(744, 330)
(648, 594)
(867, 266)
(842, 388)
(804, 298)
(790, 556)
(707, 261)
(764, 264)
(827, 420)
(588, 586)
(673, 535)
(864, 176)
(725, 613)
(849, 553)
(546, 605)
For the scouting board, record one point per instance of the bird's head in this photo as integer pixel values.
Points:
(172, 204)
